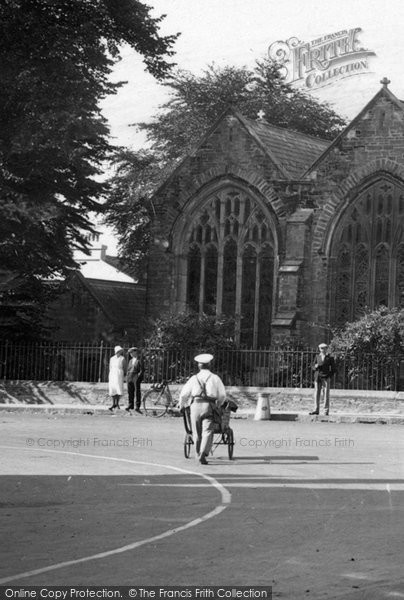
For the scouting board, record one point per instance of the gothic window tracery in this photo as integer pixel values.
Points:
(230, 251)
(369, 251)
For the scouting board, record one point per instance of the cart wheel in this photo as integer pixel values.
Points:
(188, 441)
(155, 403)
(230, 443)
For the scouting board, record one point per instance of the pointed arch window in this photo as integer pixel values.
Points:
(369, 251)
(230, 249)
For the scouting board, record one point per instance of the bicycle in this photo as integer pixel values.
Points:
(158, 401)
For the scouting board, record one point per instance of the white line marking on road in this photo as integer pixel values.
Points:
(303, 484)
(225, 495)
(388, 488)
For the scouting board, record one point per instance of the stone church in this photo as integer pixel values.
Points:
(290, 234)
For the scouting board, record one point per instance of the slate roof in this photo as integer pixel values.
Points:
(292, 151)
(122, 303)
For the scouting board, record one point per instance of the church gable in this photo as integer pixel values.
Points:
(376, 133)
(229, 148)
(371, 147)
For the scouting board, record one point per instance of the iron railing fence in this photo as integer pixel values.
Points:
(275, 367)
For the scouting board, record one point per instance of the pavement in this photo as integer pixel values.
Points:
(381, 418)
(276, 404)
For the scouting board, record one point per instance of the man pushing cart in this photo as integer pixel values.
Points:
(204, 394)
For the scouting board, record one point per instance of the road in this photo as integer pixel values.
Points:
(313, 509)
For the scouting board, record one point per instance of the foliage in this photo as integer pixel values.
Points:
(191, 331)
(379, 332)
(196, 102)
(131, 188)
(175, 339)
(56, 59)
(23, 305)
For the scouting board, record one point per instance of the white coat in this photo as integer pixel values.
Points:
(117, 367)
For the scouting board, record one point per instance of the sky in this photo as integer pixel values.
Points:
(238, 32)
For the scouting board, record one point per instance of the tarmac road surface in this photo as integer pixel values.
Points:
(314, 509)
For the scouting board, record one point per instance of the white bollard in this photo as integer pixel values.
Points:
(263, 410)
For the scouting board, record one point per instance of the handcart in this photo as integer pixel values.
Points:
(223, 433)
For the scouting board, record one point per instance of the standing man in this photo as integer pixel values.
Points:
(134, 378)
(324, 369)
(203, 392)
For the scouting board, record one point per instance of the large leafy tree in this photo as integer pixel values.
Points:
(195, 102)
(379, 332)
(56, 57)
(374, 347)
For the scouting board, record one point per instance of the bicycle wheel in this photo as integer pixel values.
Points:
(155, 403)
(230, 443)
(187, 444)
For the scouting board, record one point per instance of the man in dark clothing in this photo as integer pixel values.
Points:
(134, 378)
(324, 369)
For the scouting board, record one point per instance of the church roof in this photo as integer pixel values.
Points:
(292, 151)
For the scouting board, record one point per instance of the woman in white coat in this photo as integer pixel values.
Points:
(117, 371)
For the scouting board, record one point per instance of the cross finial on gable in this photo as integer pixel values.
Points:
(260, 114)
(385, 82)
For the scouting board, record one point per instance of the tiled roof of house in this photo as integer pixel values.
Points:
(118, 264)
(100, 265)
(123, 303)
(294, 152)
(94, 268)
